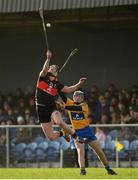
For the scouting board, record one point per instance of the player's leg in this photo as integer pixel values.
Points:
(99, 152)
(94, 144)
(57, 118)
(48, 131)
(44, 116)
(81, 157)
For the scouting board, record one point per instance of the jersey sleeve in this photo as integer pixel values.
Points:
(85, 107)
(69, 102)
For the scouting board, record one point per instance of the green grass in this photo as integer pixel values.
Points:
(66, 173)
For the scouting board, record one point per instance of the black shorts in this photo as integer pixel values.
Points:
(44, 112)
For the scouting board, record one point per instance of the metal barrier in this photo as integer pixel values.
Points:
(129, 153)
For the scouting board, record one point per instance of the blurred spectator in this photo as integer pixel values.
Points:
(1, 100)
(18, 94)
(2, 115)
(21, 106)
(124, 115)
(133, 115)
(136, 113)
(114, 102)
(29, 119)
(134, 89)
(121, 98)
(114, 115)
(94, 90)
(2, 138)
(9, 122)
(11, 116)
(101, 137)
(104, 107)
(126, 133)
(107, 96)
(94, 108)
(137, 102)
(31, 105)
(112, 89)
(104, 111)
(105, 119)
(3, 122)
(22, 135)
(2, 147)
(94, 103)
(32, 120)
(10, 100)
(6, 106)
(133, 102)
(20, 120)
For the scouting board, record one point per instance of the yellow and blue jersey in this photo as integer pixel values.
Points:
(78, 114)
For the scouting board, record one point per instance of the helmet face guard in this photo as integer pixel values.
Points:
(78, 93)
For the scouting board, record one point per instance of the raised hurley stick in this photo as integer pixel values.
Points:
(43, 23)
(69, 57)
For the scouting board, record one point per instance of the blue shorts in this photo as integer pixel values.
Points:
(86, 132)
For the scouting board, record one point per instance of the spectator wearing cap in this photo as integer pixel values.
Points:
(104, 110)
(20, 120)
(22, 133)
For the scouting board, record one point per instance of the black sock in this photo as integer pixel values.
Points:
(107, 167)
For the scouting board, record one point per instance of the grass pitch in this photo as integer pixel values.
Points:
(66, 173)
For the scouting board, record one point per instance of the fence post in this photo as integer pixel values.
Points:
(61, 158)
(117, 159)
(7, 148)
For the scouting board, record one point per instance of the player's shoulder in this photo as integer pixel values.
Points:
(84, 104)
(70, 101)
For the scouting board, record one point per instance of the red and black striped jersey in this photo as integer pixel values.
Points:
(46, 90)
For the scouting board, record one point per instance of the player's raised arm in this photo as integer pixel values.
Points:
(45, 68)
(71, 89)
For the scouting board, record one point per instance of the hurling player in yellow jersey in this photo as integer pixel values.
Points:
(78, 113)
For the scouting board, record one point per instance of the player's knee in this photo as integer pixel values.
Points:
(51, 137)
(58, 121)
(56, 114)
(57, 117)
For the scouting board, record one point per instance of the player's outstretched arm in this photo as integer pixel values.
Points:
(71, 89)
(45, 68)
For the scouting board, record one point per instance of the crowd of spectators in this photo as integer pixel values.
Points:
(18, 108)
(111, 106)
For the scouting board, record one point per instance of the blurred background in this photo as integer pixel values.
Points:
(106, 34)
